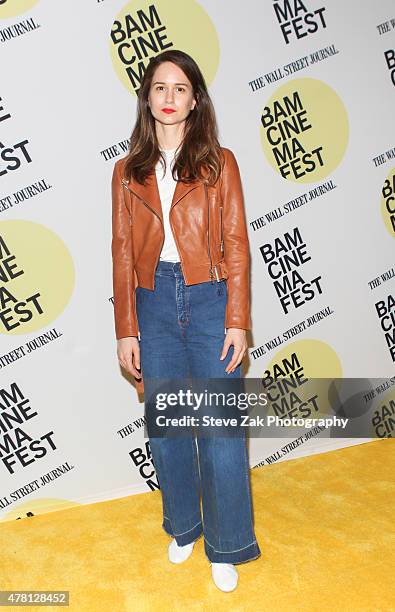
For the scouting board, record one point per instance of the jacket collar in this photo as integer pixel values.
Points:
(149, 192)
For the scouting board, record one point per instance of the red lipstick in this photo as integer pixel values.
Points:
(168, 110)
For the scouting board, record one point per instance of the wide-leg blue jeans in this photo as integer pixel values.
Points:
(182, 330)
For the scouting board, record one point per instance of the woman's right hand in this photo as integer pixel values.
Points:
(128, 351)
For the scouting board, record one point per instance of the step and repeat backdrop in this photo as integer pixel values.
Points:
(305, 97)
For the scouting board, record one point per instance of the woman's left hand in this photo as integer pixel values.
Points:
(237, 337)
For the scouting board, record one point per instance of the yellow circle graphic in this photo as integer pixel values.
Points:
(304, 130)
(41, 505)
(299, 380)
(142, 30)
(388, 202)
(11, 8)
(36, 276)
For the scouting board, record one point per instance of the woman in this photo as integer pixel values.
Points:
(181, 299)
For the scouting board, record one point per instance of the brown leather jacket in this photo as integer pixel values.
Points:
(210, 232)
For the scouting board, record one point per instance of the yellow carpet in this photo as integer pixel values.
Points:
(325, 525)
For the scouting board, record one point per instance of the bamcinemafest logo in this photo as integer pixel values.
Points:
(36, 276)
(390, 61)
(143, 461)
(11, 8)
(15, 154)
(304, 130)
(18, 448)
(388, 202)
(299, 379)
(286, 260)
(383, 419)
(296, 20)
(141, 30)
(385, 310)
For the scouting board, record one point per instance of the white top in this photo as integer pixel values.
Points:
(166, 186)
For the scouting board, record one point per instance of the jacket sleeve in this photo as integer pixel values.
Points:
(236, 246)
(122, 261)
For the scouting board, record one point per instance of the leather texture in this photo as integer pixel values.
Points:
(210, 232)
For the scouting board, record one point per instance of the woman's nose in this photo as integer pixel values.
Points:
(170, 95)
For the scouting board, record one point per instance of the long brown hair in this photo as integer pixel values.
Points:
(199, 155)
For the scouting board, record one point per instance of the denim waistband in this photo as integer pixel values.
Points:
(168, 268)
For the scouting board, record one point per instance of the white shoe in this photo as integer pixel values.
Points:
(178, 554)
(225, 576)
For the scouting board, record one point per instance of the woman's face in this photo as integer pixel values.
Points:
(170, 89)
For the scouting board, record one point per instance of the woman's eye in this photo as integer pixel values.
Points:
(161, 87)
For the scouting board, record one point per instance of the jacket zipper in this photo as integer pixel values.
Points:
(163, 239)
(176, 241)
(208, 240)
(155, 213)
(178, 247)
(222, 234)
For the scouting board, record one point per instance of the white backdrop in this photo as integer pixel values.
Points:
(71, 426)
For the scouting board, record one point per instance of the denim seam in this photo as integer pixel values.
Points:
(196, 468)
(248, 483)
(228, 552)
(186, 297)
(181, 303)
(238, 561)
(179, 534)
(170, 501)
(216, 512)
